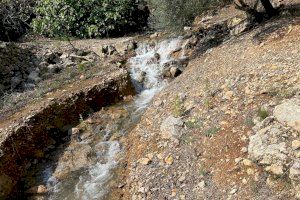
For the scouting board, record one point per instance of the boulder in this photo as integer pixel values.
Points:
(171, 128)
(262, 149)
(289, 113)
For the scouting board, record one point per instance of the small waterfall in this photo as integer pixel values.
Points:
(147, 69)
(93, 186)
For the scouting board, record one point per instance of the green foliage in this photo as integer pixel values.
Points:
(15, 15)
(193, 123)
(173, 15)
(262, 113)
(89, 18)
(178, 107)
(211, 131)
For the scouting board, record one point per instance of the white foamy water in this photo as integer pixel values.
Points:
(147, 67)
(92, 183)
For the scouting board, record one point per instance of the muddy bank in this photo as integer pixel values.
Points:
(24, 138)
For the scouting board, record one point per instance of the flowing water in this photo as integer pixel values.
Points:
(92, 182)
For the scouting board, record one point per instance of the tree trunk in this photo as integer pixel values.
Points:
(270, 10)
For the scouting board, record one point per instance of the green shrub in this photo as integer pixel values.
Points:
(173, 15)
(15, 17)
(89, 18)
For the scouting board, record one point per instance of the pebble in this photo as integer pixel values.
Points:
(247, 162)
(144, 161)
(296, 144)
(169, 160)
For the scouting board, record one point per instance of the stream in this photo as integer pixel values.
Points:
(89, 173)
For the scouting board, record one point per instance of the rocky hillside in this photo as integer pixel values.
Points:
(228, 127)
(224, 122)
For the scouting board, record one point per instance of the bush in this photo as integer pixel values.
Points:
(173, 15)
(89, 18)
(15, 17)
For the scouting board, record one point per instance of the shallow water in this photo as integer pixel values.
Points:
(91, 182)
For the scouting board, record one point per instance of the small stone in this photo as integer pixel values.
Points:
(250, 171)
(233, 191)
(297, 154)
(247, 162)
(296, 144)
(154, 35)
(244, 181)
(144, 161)
(169, 160)
(244, 150)
(238, 160)
(175, 71)
(41, 189)
(187, 28)
(150, 156)
(295, 171)
(75, 131)
(275, 169)
(229, 94)
(182, 178)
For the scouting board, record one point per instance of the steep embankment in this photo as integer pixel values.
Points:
(213, 132)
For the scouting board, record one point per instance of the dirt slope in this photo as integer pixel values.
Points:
(192, 142)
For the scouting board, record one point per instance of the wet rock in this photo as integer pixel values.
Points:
(171, 128)
(141, 77)
(131, 46)
(289, 113)
(191, 42)
(73, 159)
(109, 50)
(175, 71)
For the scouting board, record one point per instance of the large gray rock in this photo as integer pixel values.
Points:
(171, 128)
(265, 148)
(289, 113)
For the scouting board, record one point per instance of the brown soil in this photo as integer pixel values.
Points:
(264, 61)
